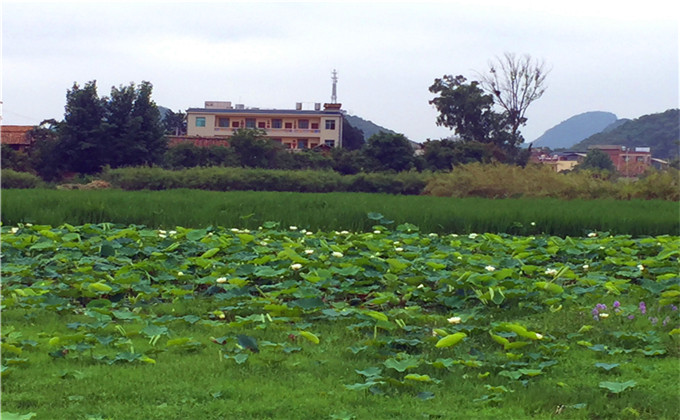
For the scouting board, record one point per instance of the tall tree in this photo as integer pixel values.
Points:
(175, 123)
(515, 83)
(254, 149)
(122, 126)
(597, 160)
(389, 152)
(352, 137)
(150, 134)
(82, 139)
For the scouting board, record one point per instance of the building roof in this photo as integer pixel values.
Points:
(15, 134)
(262, 111)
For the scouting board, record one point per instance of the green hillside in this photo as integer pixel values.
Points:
(659, 131)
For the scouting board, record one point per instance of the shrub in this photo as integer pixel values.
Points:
(14, 179)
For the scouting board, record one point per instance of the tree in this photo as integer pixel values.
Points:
(597, 160)
(515, 83)
(463, 107)
(82, 138)
(389, 152)
(254, 149)
(175, 123)
(150, 133)
(352, 137)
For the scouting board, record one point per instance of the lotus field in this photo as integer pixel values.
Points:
(112, 321)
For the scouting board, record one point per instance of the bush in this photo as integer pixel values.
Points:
(14, 179)
(234, 179)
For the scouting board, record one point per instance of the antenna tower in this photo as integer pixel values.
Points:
(334, 95)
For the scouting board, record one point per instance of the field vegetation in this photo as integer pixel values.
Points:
(281, 322)
(338, 211)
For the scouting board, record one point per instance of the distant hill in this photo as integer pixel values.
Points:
(575, 129)
(659, 131)
(368, 127)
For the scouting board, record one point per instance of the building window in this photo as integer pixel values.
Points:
(261, 124)
(235, 124)
(200, 121)
(302, 143)
(250, 122)
(223, 122)
(329, 143)
(315, 126)
(277, 123)
(640, 158)
(330, 124)
(289, 125)
(304, 124)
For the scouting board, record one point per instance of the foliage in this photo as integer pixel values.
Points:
(14, 179)
(339, 211)
(175, 123)
(16, 160)
(253, 149)
(515, 83)
(503, 181)
(376, 318)
(596, 160)
(188, 155)
(352, 137)
(389, 152)
(82, 136)
(464, 107)
(658, 131)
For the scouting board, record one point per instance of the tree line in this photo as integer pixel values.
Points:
(126, 129)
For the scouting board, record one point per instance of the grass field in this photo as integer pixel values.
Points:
(338, 211)
(115, 322)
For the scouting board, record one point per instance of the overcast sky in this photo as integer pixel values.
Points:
(620, 57)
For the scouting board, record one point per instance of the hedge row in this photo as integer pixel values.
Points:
(239, 179)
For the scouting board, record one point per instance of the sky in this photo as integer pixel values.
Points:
(619, 57)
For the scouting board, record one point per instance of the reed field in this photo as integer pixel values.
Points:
(339, 211)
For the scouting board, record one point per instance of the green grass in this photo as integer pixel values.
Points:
(338, 211)
(109, 322)
(310, 383)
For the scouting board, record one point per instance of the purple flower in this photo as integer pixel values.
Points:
(601, 306)
(616, 304)
(674, 308)
(643, 308)
(631, 316)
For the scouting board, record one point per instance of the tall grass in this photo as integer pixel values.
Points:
(339, 211)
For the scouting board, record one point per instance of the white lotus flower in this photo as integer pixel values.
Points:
(172, 232)
(14, 230)
(399, 249)
(234, 230)
(221, 280)
(293, 228)
(377, 232)
(296, 266)
(309, 233)
(586, 266)
(162, 235)
(454, 320)
(179, 274)
(539, 336)
(490, 268)
(421, 286)
(592, 234)
(472, 235)
(533, 223)
(551, 271)
(641, 267)
(337, 254)
(309, 251)
(344, 232)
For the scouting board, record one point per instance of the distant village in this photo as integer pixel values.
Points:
(212, 125)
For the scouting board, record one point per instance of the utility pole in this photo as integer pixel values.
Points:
(334, 95)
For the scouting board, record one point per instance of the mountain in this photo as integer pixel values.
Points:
(368, 127)
(659, 131)
(575, 129)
